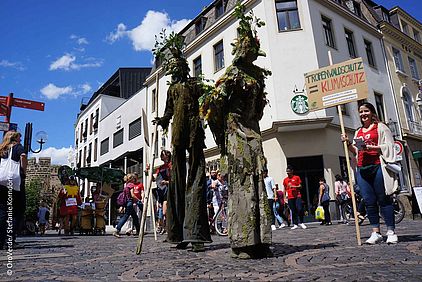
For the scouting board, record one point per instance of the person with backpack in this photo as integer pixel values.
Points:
(126, 199)
(12, 175)
(342, 191)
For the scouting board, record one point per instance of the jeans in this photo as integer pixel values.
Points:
(295, 206)
(129, 211)
(276, 207)
(373, 193)
(271, 205)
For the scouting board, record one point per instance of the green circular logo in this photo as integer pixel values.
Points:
(299, 104)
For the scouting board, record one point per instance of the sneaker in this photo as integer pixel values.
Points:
(116, 234)
(374, 239)
(294, 227)
(392, 237)
(281, 225)
(302, 225)
(273, 227)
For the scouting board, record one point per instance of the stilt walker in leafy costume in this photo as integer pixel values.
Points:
(187, 219)
(233, 110)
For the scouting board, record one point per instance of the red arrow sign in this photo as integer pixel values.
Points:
(3, 110)
(28, 104)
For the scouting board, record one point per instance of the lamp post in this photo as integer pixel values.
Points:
(41, 138)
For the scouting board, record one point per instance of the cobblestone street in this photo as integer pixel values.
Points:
(327, 253)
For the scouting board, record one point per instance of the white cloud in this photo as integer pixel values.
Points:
(79, 40)
(116, 35)
(85, 88)
(53, 92)
(68, 62)
(58, 156)
(15, 65)
(143, 36)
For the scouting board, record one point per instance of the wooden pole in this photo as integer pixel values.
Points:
(146, 198)
(349, 170)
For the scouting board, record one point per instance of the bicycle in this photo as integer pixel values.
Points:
(399, 212)
(219, 222)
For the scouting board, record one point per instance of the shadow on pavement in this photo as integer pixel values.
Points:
(281, 249)
(409, 238)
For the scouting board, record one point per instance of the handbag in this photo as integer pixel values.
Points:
(394, 167)
(319, 213)
(10, 172)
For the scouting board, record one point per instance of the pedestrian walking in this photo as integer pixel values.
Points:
(129, 201)
(373, 144)
(292, 185)
(324, 200)
(342, 191)
(43, 216)
(270, 189)
(12, 151)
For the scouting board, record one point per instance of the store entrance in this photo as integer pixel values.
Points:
(309, 169)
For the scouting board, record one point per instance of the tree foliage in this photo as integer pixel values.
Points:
(32, 199)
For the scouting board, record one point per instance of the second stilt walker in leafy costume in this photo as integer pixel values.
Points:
(187, 219)
(233, 111)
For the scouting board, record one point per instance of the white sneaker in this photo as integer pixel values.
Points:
(375, 238)
(302, 225)
(282, 225)
(392, 237)
(294, 227)
(273, 227)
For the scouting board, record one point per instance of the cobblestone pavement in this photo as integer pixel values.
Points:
(326, 253)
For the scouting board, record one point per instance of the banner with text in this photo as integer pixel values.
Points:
(336, 84)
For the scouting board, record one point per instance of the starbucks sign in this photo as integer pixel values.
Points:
(299, 104)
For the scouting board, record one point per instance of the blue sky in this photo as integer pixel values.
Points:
(59, 52)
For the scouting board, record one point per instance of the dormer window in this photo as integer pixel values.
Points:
(220, 8)
(200, 25)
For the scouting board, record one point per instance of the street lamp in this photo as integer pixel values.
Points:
(41, 138)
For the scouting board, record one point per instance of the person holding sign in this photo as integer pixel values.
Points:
(374, 146)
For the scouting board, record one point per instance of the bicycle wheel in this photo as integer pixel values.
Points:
(221, 222)
(347, 210)
(399, 211)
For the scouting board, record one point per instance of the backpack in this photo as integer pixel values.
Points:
(122, 199)
(10, 172)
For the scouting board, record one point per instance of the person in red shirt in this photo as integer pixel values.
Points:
(292, 185)
(374, 146)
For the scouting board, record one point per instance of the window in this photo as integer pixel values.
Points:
(118, 122)
(416, 35)
(287, 15)
(153, 100)
(379, 104)
(200, 25)
(91, 122)
(343, 108)
(118, 138)
(95, 149)
(407, 101)
(197, 66)
(84, 158)
(413, 68)
(356, 9)
(88, 156)
(369, 53)
(155, 143)
(405, 27)
(135, 128)
(328, 32)
(80, 159)
(397, 60)
(104, 146)
(350, 43)
(96, 118)
(220, 8)
(218, 56)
